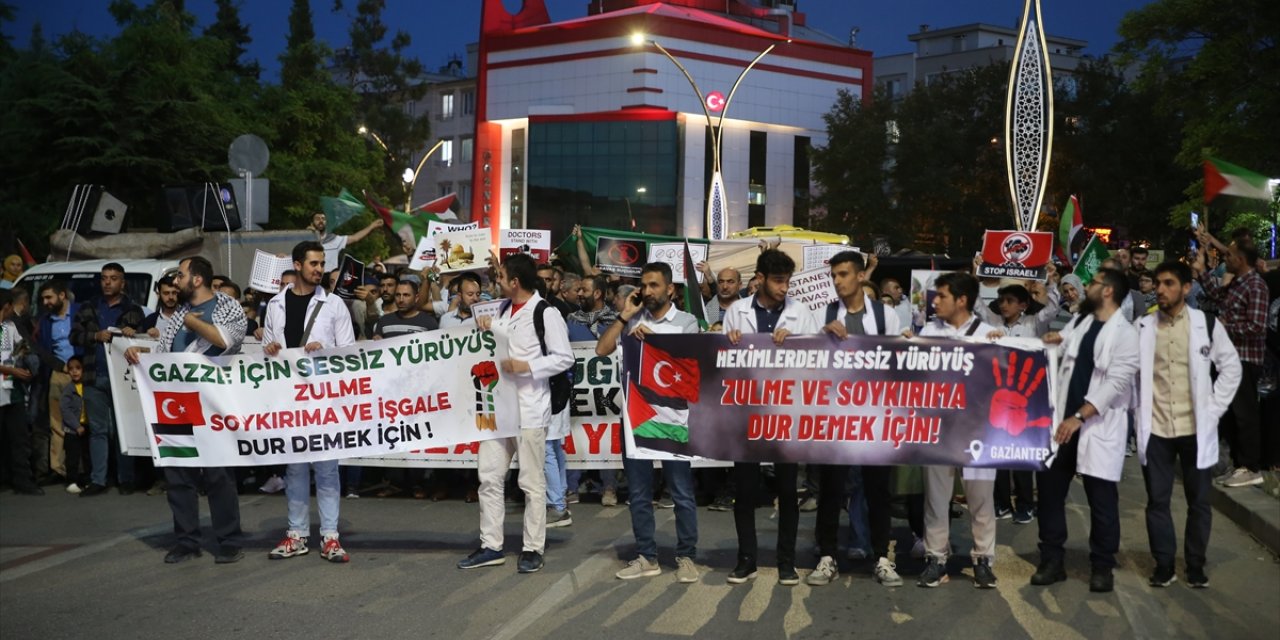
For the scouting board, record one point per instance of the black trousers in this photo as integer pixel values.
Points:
(17, 439)
(1015, 484)
(1104, 509)
(832, 497)
(1241, 425)
(746, 476)
(1162, 456)
(184, 501)
(77, 450)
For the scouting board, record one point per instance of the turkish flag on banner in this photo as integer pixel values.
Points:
(667, 375)
(174, 407)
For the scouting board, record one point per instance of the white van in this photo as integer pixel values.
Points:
(140, 277)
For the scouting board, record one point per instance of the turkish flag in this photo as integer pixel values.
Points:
(667, 375)
(173, 407)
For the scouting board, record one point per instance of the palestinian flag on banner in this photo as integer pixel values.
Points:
(1071, 223)
(175, 440)
(657, 417)
(1224, 178)
(692, 292)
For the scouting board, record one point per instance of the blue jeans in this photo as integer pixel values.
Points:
(553, 466)
(297, 489)
(102, 432)
(679, 478)
(859, 532)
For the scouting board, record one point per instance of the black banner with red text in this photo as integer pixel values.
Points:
(862, 400)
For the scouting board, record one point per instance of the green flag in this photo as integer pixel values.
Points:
(1091, 259)
(340, 209)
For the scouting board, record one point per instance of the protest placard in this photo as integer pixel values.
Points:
(621, 256)
(435, 228)
(813, 288)
(1022, 255)
(535, 243)
(267, 269)
(350, 276)
(370, 398)
(672, 253)
(424, 255)
(816, 256)
(923, 292)
(462, 250)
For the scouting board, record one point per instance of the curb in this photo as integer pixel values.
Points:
(1255, 511)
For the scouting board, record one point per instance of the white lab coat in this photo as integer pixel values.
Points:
(533, 389)
(332, 328)
(891, 324)
(1115, 357)
(741, 316)
(1209, 398)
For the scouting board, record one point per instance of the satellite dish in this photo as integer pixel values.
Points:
(248, 154)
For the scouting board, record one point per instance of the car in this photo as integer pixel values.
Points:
(81, 276)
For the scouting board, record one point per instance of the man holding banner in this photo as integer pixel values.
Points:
(1099, 362)
(855, 313)
(770, 311)
(648, 312)
(304, 315)
(520, 322)
(212, 324)
(954, 304)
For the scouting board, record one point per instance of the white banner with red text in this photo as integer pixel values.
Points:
(439, 388)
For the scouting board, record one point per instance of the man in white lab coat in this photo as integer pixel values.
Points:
(1099, 362)
(1179, 404)
(532, 370)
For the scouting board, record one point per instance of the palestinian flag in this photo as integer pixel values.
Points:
(175, 440)
(1070, 225)
(657, 417)
(410, 227)
(692, 292)
(1228, 179)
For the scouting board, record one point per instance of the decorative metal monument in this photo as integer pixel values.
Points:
(1028, 119)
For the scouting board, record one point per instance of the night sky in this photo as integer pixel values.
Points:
(442, 28)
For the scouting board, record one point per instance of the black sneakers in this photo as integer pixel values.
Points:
(180, 553)
(93, 490)
(530, 562)
(1163, 577)
(983, 576)
(1196, 578)
(1049, 572)
(746, 570)
(787, 575)
(1101, 580)
(228, 554)
(934, 574)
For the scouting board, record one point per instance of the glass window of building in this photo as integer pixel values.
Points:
(446, 105)
(468, 102)
(592, 173)
(446, 153)
(466, 149)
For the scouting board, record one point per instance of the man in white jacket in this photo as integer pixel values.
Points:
(773, 312)
(953, 306)
(305, 316)
(1179, 404)
(532, 370)
(1099, 362)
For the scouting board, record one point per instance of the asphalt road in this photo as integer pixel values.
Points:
(92, 568)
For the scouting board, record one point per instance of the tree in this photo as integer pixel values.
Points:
(383, 79)
(852, 171)
(1215, 65)
(228, 29)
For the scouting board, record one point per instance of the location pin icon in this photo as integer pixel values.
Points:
(975, 449)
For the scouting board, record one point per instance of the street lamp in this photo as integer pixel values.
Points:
(410, 176)
(364, 131)
(716, 228)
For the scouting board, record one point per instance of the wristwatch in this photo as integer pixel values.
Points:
(1079, 417)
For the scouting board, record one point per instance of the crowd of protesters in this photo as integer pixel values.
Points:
(1137, 347)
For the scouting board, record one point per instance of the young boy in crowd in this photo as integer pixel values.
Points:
(75, 425)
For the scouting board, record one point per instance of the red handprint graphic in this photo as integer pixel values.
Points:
(1009, 403)
(484, 376)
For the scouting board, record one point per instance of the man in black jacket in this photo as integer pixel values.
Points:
(92, 330)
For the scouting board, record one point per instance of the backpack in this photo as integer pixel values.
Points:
(561, 383)
(877, 311)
